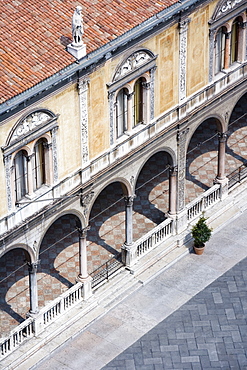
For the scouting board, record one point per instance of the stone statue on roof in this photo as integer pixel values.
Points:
(77, 27)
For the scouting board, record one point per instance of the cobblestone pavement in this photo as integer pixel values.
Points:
(190, 316)
(59, 258)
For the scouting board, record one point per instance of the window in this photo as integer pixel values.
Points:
(220, 49)
(235, 40)
(122, 112)
(30, 156)
(21, 178)
(138, 108)
(131, 94)
(38, 171)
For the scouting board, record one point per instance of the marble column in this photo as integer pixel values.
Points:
(172, 190)
(129, 200)
(83, 273)
(32, 268)
(221, 155)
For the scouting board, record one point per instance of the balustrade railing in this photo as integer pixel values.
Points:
(16, 337)
(149, 241)
(204, 201)
(63, 303)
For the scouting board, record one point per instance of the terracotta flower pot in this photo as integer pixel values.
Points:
(199, 250)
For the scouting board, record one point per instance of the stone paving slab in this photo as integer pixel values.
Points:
(190, 316)
(209, 331)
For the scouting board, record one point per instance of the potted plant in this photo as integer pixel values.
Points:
(201, 234)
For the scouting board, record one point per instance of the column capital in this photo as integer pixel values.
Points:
(173, 170)
(33, 266)
(183, 24)
(83, 231)
(222, 136)
(83, 85)
(129, 200)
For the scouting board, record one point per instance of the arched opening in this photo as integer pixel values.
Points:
(220, 50)
(235, 37)
(59, 258)
(237, 131)
(139, 101)
(14, 289)
(152, 194)
(107, 226)
(122, 112)
(21, 174)
(38, 164)
(202, 159)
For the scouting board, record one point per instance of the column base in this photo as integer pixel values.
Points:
(223, 186)
(128, 255)
(87, 286)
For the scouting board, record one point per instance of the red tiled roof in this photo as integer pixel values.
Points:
(32, 35)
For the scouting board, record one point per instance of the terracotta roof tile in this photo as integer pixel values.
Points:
(31, 34)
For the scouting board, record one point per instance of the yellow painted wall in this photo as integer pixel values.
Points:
(69, 134)
(197, 51)
(98, 112)
(167, 76)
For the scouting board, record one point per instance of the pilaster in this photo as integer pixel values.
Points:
(183, 31)
(83, 91)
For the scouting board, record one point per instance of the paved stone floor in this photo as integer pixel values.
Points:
(190, 316)
(208, 332)
(59, 265)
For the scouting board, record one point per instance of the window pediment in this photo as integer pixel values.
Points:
(224, 7)
(29, 128)
(132, 63)
(29, 124)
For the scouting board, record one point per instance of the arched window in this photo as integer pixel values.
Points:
(38, 164)
(234, 56)
(122, 112)
(139, 101)
(21, 178)
(220, 49)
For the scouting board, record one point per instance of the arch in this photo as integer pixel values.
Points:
(202, 157)
(14, 289)
(73, 212)
(167, 150)
(219, 121)
(29, 252)
(236, 143)
(126, 188)
(152, 190)
(236, 101)
(46, 136)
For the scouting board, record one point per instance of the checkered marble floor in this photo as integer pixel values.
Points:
(59, 257)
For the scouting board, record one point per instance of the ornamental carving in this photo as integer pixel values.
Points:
(132, 63)
(183, 57)
(30, 123)
(224, 7)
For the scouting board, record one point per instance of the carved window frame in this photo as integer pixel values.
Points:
(38, 124)
(225, 14)
(139, 64)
